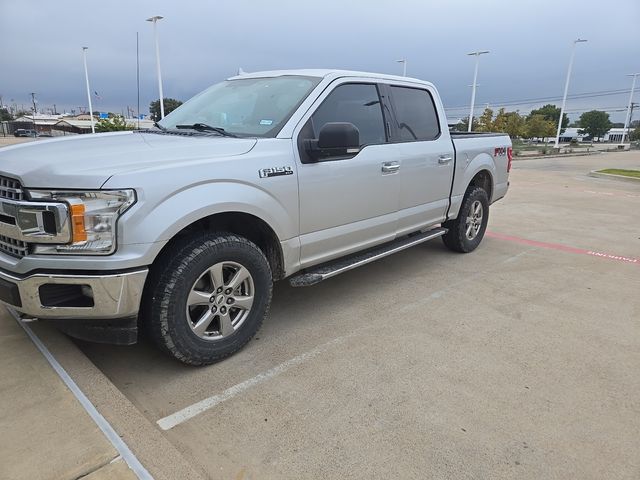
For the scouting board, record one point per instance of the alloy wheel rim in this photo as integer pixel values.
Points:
(474, 220)
(220, 300)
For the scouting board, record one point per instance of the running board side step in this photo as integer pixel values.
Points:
(336, 267)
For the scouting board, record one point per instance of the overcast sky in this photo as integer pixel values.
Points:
(202, 43)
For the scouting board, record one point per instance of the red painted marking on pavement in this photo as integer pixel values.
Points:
(563, 248)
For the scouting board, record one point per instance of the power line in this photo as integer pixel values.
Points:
(529, 101)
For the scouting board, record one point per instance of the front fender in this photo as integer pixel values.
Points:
(152, 221)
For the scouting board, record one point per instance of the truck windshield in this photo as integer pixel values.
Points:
(246, 106)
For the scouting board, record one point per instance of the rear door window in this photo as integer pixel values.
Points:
(416, 116)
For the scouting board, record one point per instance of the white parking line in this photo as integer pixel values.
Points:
(119, 444)
(170, 421)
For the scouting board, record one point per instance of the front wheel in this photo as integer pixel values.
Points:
(208, 298)
(466, 231)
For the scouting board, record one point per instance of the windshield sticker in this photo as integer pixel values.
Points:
(266, 122)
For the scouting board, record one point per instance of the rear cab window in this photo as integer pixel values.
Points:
(415, 114)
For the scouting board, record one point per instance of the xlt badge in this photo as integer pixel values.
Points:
(275, 171)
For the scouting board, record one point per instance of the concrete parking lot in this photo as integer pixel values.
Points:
(519, 360)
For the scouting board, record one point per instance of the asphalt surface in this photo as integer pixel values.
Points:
(519, 360)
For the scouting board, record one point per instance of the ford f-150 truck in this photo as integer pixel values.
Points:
(182, 229)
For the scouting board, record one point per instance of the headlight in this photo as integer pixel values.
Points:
(93, 218)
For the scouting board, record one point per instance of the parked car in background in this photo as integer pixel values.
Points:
(22, 132)
(184, 228)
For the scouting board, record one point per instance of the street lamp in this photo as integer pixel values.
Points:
(566, 89)
(473, 89)
(633, 86)
(86, 77)
(403, 61)
(154, 20)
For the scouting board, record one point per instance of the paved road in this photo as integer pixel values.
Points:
(519, 360)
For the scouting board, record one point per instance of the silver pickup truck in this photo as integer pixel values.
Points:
(181, 230)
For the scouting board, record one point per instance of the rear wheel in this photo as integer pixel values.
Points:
(467, 230)
(208, 297)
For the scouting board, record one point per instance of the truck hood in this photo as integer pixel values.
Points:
(87, 161)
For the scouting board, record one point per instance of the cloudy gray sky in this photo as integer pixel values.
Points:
(204, 42)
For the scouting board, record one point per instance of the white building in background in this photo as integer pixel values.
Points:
(615, 135)
(571, 133)
(612, 136)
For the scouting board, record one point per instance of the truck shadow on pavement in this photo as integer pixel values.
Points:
(295, 311)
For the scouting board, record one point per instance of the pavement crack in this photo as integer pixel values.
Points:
(99, 466)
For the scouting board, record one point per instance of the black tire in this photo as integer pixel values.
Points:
(456, 238)
(171, 279)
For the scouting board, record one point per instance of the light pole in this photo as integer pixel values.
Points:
(403, 61)
(473, 89)
(566, 88)
(626, 121)
(154, 20)
(86, 77)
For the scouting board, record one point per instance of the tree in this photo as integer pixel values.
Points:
(170, 104)
(510, 123)
(634, 135)
(113, 124)
(463, 125)
(5, 116)
(552, 113)
(595, 123)
(538, 126)
(485, 122)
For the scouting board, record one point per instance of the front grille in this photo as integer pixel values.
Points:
(13, 247)
(10, 189)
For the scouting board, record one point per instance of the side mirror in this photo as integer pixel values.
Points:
(335, 140)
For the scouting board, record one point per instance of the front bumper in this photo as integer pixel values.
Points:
(105, 295)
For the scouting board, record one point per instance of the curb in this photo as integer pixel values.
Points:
(611, 176)
(150, 446)
(564, 155)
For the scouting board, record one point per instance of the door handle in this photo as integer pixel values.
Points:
(390, 167)
(444, 159)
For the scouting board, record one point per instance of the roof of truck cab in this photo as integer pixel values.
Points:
(322, 73)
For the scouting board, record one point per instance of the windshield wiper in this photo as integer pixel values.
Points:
(157, 125)
(203, 127)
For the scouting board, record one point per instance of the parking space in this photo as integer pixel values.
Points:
(519, 360)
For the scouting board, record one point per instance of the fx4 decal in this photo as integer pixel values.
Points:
(500, 151)
(275, 171)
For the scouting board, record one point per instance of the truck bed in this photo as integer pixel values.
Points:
(455, 135)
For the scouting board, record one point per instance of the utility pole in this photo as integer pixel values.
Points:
(475, 84)
(566, 88)
(33, 118)
(629, 108)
